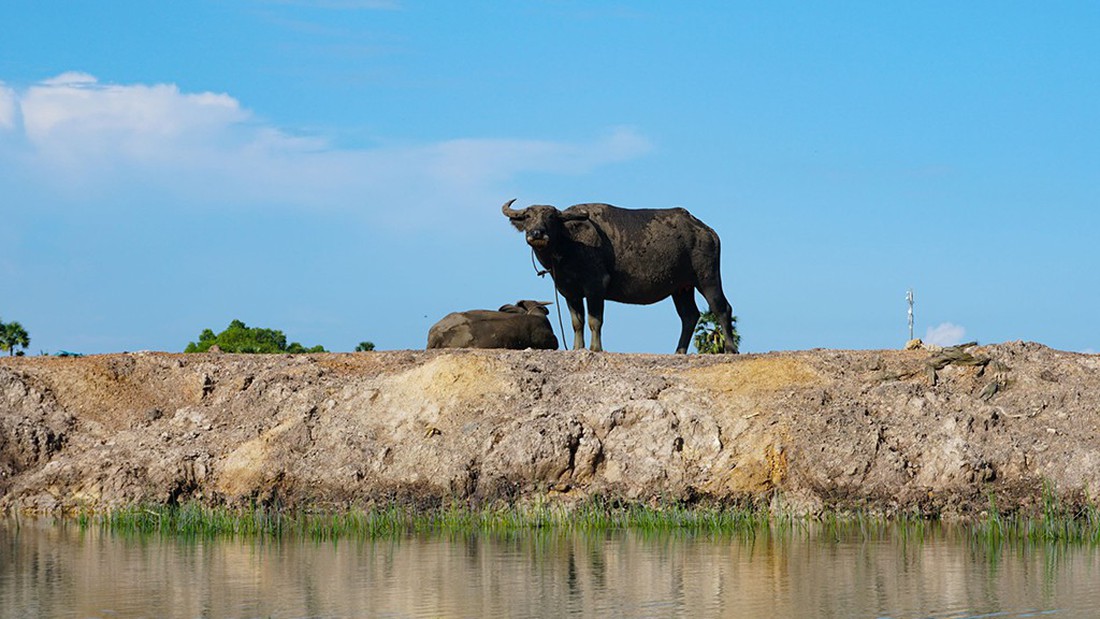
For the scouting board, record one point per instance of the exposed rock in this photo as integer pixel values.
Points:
(888, 431)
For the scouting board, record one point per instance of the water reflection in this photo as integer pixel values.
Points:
(59, 571)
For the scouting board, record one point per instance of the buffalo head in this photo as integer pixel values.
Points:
(526, 306)
(540, 223)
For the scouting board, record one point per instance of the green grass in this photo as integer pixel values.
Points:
(1052, 522)
(193, 519)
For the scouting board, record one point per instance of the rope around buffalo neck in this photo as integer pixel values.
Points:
(557, 301)
(535, 266)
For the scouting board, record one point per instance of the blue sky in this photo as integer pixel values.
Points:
(335, 168)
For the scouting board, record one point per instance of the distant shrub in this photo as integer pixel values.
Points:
(240, 338)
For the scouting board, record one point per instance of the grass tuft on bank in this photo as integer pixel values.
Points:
(1055, 522)
(194, 519)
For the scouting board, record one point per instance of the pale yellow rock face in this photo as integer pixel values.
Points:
(799, 431)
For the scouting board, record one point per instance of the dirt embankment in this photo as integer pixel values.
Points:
(799, 431)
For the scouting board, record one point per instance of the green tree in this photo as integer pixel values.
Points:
(240, 338)
(296, 348)
(364, 347)
(12, 336)
(709, 338)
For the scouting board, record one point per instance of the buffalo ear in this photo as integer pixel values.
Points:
(528, 305)
(520, 223)
(583, 231)
(534, 307)
(540, 307)
(571, 215)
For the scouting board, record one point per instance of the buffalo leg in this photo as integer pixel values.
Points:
(576, 313)
(595, 323)
(722, 310)
(689, 316)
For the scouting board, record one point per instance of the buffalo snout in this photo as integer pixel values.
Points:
(537, 238)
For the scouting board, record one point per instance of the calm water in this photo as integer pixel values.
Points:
(54, 571)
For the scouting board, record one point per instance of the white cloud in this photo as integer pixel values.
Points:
(87, 139)
(499, 159)
(945, 334)
(74, 78)
(7, 107)
(74, 112)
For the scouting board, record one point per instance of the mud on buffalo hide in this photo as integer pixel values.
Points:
(519, 326)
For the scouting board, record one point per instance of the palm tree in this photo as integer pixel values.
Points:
(12, 335)
(709, 338)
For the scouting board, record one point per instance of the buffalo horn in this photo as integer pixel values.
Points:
(509, 212)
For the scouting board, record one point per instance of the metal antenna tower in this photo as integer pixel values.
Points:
(909, 298)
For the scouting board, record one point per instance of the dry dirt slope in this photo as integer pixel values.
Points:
(801, 431)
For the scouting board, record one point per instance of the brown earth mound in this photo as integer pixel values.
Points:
(943, 432)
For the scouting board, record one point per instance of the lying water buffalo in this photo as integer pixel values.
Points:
(519, 326)
(601, 252)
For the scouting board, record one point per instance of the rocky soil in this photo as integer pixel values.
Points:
(943, 432)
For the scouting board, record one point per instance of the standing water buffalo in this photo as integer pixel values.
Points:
(519, 326)
(601, 252)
